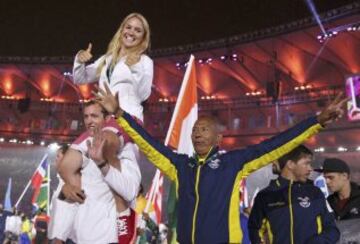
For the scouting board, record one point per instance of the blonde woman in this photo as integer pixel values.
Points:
(125, 68)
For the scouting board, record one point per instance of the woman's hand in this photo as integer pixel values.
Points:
(84, 56)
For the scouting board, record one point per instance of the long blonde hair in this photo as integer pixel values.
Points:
(115, 44)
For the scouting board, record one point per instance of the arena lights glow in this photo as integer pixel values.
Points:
(303, 87)
(84, 100)
(327, 35)
(342, 149)
(312, 8)
(234, 57)
(353, 28)
(14, 140)
(45, 99)
(29, 142)
(42, 143)
(333, 32)
(8, 97)
(209, 60)
(254, 93)
(319, 149)
(212, 97)
(202, 61)
(164, 100)
(180, 65)
(66, 73)
(53, 146)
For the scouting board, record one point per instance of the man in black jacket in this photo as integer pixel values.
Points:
(345, 200)
(291, 209)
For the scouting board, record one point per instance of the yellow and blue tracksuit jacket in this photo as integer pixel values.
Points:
(289, 212)
(208, 189)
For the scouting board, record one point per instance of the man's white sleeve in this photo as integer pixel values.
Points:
(126, 181)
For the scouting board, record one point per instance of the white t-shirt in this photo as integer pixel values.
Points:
(62, 216)
(13, 224)
(95, 221)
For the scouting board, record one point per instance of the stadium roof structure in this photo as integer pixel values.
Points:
(305, 62)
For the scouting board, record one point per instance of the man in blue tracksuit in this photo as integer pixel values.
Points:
(291, 210)
(208, 183)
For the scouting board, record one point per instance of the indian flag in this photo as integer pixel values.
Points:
(179, 138)
(185, 114)
(179, 133)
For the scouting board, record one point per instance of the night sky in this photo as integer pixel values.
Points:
(61, 28)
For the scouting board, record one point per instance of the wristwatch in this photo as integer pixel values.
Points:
(103, 164)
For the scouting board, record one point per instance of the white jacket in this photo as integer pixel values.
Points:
(13, 224)
(132, 83)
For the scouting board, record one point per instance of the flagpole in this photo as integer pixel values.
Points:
(48, 190)
(7, 201)
(28, 184)
(23, 193)
(154, 185)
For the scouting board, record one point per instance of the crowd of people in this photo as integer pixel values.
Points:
(16, 227)
(99, 175)
(204, 202)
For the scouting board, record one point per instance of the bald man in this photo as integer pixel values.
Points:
(208, 183)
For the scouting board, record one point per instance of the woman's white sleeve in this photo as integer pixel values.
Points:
(142, 74)
(83, 74)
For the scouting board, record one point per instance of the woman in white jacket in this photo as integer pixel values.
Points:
(128, 72)
(125, 68)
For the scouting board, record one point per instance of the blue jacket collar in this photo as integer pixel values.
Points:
(281, 181)
(214, 153)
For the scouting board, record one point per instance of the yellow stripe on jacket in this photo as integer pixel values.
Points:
(234, 222)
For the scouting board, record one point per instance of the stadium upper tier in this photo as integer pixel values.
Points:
(238, 77)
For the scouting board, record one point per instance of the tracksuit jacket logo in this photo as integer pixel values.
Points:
(354, 211)
(304, 202)
(213, 161)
